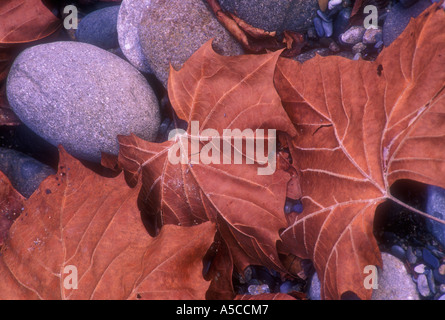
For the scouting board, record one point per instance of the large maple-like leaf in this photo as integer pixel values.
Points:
(79, 218)
(218, 93)
(362, 125)
(25, 21)
(11, 203)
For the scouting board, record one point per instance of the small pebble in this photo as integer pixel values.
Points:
(407, 3)
(398, 251)
(258, 289)
(430, 259)
(286, 287)
(353, 35)
(288, 207)
(431, 283)
(319, 27)
(323, 16)
(358, 48)
(378, 45)
(297, 207)
(333, 46)
(372, 36)
(410, 256)
(422, 286)
(328, 28)
(419, 269)
(334, 3)
(439, 277)
(442, 269)
(357, 56)
(341, 22)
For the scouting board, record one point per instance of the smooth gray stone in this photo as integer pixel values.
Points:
(128, 23)
(273, 15)
(399, 17)
(80, 96)
(314, 288)
(435, 206)
(99, 28)
(24, 172)
(394, 282)
(171, 31)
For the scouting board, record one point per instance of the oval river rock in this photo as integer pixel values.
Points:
(81, 97)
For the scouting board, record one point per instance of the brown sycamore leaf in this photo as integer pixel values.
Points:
(323, 4)
(25, 21)
(81, 219)
(11, 204)
(217, 93)
(362, 125)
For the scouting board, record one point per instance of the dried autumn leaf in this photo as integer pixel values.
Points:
(217, 93)
(323, 4)
(362, 126)
(25, 21)
(7, 116)
(78, 218)
(11, 203)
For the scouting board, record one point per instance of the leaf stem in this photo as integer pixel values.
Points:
(426, 215)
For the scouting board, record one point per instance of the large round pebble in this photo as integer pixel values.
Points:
(394, 282)
(99, 28)
(128, 22)
(171, 31)
(81, 97)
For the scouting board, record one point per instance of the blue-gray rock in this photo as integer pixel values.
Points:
(407, 3)
(422, 286)
(399, 17)
(273, 15)
(353, 35)
(438, 276)
(341, 22)
(24, 172)
(394, 282)
(171, 31)
(328, 28)
(128, 22)
(80, 96)
(314, 292)
(318, 25)
(372, 36)
(410, 255)
(430, 259)
(286, 287)
(442, 297)
(99, 28)
(435, 205)
(398, 252)
(430, 278)
(324, 16)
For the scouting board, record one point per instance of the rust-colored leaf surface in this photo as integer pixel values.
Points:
(362, 126)
(11, 204)
(25, 21)
(218, 93)
(80, 219)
